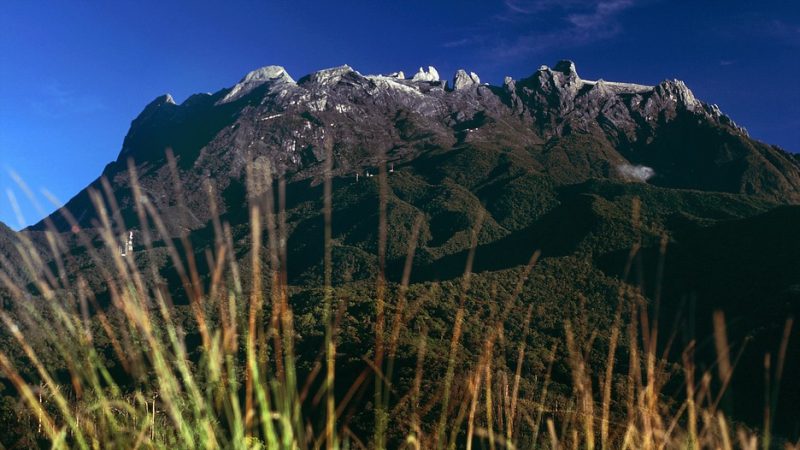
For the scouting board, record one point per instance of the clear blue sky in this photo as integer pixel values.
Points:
(73, 74)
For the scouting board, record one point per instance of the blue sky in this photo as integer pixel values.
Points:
(74, 74)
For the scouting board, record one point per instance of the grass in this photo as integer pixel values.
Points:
(139, 374)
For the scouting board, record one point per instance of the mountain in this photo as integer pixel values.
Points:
(552, 124)
(580, 170)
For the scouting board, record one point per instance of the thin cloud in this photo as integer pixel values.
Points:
(536, 26)
(785, 32)
(600, 17)
(528, 7)
(458, 43)
(517, 7)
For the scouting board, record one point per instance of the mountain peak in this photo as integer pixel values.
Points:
(566, 67)
(163, 99)
(267, 73)
(254, 79)
(330, 76)
(462, 80)
(431, 75)
(678, 91)
(155, 105)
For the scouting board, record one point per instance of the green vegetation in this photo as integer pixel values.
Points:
(480, 306)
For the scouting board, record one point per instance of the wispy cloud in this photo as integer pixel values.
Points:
(55, 101)
(577, 22)
(535, 26)
(458, 43)
(785, 32)
(600, 17)
(636, 173)
(528, 7)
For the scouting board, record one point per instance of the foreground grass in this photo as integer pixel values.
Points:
(133, 380)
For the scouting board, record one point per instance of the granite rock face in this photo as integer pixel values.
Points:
(463, 80)
(256, 78)
(430, 75)
(570, 129)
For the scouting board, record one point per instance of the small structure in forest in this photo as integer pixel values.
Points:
(127, 247)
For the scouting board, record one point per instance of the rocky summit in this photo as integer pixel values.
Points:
(568, 129)
(462, 80)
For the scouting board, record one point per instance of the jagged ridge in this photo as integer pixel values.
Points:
(569, 129)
